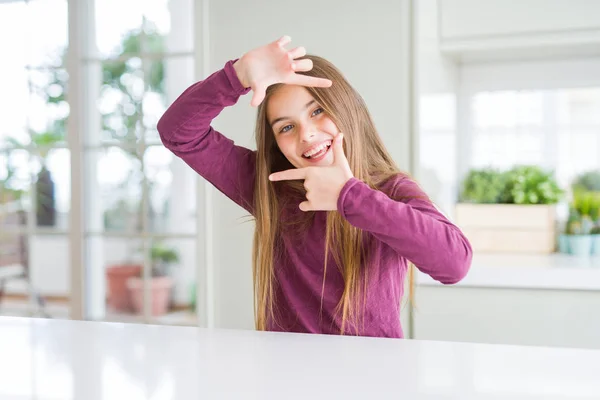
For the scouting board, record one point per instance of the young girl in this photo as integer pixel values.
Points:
(336, 222)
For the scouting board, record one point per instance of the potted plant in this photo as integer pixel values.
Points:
(595, 233)
(578, 234)
(163, 259)
(509, 211)
(589, 181)
(530, 184)
(582, 230)
(483, 186)
(595, 217)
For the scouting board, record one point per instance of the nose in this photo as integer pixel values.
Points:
(307, 133)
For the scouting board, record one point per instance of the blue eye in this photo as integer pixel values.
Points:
(317, 111)
(285, 128)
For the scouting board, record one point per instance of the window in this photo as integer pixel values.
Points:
(139, 200)
(438, 148)
(35, 192)
(558, 128)
(504, 114)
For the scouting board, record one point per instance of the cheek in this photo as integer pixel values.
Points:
(286, 145)
(328, 126)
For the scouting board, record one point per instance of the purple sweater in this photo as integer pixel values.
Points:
(401, 230)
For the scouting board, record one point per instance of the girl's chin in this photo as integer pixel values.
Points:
(321, 163)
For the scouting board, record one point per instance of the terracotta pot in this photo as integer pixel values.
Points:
(118, 293)
(160, 288)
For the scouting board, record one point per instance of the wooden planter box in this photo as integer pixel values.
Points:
(508, 228)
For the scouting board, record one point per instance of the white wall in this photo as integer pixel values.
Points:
(436, 73)
(438, 81)
(494, 30)
(527, 75)
(475, 18)
(366, 41)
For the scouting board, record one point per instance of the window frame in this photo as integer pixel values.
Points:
(85, 282)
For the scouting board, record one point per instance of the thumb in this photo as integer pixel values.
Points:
(258, 96)
(339, 157)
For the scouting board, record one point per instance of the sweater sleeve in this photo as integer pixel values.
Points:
(185, 129)
(409, 223)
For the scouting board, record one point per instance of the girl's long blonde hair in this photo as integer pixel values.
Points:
(369, 161)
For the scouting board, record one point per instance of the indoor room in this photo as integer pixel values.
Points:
(119, 236)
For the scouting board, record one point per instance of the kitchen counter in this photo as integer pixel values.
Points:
(553, 271)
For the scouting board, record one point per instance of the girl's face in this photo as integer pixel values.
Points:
(303, 131)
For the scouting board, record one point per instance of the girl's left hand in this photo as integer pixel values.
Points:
(323, 184)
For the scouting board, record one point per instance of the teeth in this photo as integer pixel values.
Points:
(316, 150)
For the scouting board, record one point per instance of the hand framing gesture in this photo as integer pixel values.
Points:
(271, 64)
(323, 184)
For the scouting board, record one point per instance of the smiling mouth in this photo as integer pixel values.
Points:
(317, 151)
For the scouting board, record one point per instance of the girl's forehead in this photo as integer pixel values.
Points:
(288, 99)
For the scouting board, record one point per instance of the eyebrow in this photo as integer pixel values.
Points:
(276, 120)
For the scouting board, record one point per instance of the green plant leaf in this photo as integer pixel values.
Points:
(483, 185)
(530, 184)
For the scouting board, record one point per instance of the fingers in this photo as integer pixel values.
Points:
(302, 65)
(297, 53)
(305, 206)
(303, 80)
(338, 149)
(284, 40)
(288, 175)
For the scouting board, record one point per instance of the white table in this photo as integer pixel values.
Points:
(54, 359)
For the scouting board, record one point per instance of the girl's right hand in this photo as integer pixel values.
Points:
(270, 64)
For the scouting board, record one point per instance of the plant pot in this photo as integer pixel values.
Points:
(508, 228)
(580, 245)
(160, 293)
(596, 245)
(117, 277)
(563, 243)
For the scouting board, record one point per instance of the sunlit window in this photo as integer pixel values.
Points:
(559, 129)
(138, 200)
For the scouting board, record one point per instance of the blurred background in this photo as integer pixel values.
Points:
(492, 105)
(84, 85)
